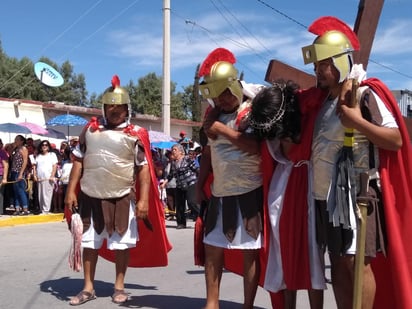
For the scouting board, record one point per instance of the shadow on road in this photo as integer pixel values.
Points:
(65, 287)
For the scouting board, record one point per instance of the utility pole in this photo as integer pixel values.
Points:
(166, 68)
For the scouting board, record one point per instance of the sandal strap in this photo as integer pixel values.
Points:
(82, 297)
(120, 293)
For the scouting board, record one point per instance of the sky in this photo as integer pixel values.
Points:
(101, 38)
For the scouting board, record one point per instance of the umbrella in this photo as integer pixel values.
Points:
(156, 136)
(67, 120)
(163, 145)
(50, 132)
(34, 128)
(9, 127)
(161, 140)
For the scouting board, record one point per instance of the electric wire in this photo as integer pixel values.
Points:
(246, 29)
(53, 41)
(104, 25)
(302, 25)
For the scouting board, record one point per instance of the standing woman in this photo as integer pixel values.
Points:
(19, 158)
(4, 170)
(44, 170)
(185, 170)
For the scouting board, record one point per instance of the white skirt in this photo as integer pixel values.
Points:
(242, 239)
(92, 240)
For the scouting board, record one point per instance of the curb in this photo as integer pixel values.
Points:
(30, 219)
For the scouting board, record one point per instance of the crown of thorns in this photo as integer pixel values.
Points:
(267, 124)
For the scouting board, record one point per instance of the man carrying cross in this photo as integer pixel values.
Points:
(381, 150)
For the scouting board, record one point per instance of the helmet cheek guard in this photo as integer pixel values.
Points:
(222, 76)
(332, 44)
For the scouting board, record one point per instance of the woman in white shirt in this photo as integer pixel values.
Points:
(44, 170)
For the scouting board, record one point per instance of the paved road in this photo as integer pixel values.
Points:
(34, 273)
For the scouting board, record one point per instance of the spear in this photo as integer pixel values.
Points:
(361, 208)
(361, 213)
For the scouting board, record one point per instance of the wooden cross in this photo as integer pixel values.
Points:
(365, 28)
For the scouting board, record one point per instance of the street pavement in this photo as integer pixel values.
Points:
(34, 272)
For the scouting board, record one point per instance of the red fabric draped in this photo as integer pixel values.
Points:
(293, 248)
(394, 273)
(152, 248)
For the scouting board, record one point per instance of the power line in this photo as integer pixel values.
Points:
(391, 69)
(302, 25)
(210, 34)
(121, 12)
(247, 30)
(282, 14)
(52, 42)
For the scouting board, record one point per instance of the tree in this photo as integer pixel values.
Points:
(146, 98)
(18, 80)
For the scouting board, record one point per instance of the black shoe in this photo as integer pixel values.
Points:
(180, 226)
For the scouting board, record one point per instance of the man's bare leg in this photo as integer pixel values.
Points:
(369, 286)
(342, 269)
(89, 268)
(315, 299)
(213, 275)
(290, 299)
(122, 261)
(251, 272)
(342, 280)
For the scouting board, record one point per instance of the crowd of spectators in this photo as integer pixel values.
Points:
(33, 176)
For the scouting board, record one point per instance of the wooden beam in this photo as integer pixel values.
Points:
(365, 27)
(278, 70)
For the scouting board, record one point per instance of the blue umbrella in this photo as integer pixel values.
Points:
(161, 140)
(163, 145)
(9, 127)
(67, 120)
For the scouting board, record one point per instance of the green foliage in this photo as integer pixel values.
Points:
(17, 80)
(147, 95)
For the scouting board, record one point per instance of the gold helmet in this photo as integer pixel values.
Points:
(335, 40)
(222, 76)
(219, 74)
(116, 95)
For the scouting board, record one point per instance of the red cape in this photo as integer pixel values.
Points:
(152, 248)
(294, 237)
(394, 273)
(295, 244)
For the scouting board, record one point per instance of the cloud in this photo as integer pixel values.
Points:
(394, 40)
(253, 38)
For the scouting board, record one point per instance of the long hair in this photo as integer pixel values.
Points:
(275, 112)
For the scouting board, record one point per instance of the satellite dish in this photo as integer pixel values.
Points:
(48, 75)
